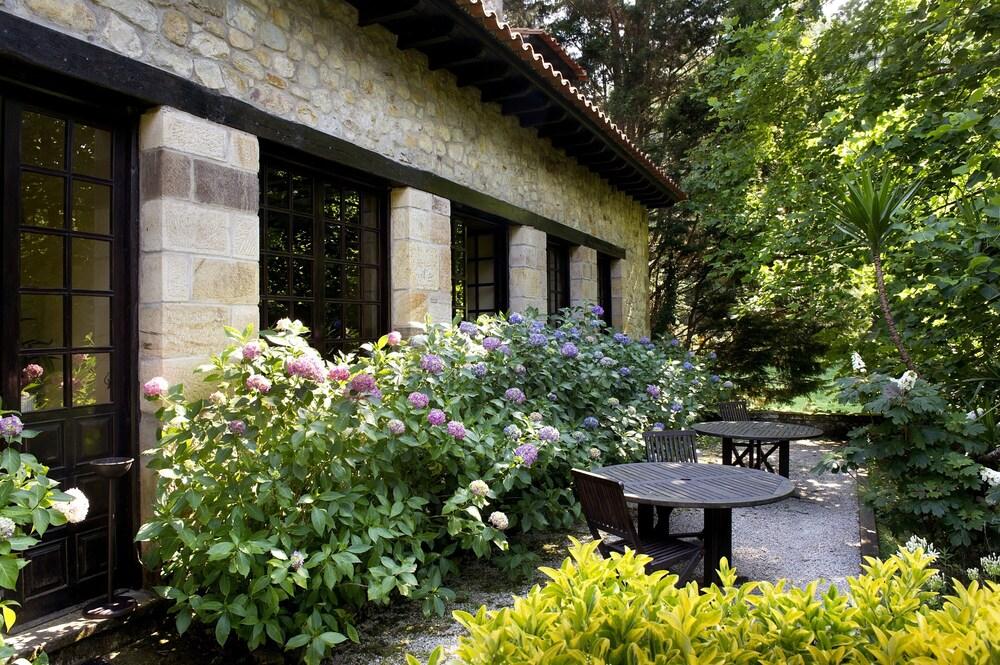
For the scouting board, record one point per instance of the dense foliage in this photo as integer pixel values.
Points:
(609, 611)
(761, 109)
(301, 489)
(30, 502)
(921, 456)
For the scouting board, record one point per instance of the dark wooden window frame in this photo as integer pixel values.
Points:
(346, 178)
(79, 105)
(484, 225)
(557, 282)
(604, 299)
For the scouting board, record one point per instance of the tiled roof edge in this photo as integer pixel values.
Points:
(503, 34)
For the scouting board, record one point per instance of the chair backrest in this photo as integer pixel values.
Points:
(671, 445)
(735, 410)
(603, 503)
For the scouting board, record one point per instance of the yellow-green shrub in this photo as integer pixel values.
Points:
(608, 611)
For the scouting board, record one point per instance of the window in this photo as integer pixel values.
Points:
(323, 250)
(478, 266)
(604, 285)
(557, 268)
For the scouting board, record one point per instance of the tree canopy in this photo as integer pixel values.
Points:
(762, 111)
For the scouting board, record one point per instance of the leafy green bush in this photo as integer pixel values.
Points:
(921, 455)
(30, 503)
(302, 489)
(609, 611)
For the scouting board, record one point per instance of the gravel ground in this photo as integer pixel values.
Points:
(814, 534)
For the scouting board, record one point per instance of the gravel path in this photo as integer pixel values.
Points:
(812, 535)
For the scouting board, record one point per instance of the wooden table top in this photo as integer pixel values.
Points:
(756, 430)
(687, 485)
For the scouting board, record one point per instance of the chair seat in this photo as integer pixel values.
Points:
(665, 552)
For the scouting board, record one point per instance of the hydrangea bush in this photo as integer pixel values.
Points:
(30, 503)
(302, 488)
(922, 457)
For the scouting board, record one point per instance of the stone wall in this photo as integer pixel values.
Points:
(421, 259)
(582, 276)
(309, 62)
(526, 262)
(199, 248)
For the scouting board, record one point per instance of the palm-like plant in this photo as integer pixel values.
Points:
(866, 213)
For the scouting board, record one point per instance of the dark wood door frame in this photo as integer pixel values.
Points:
(14, 98)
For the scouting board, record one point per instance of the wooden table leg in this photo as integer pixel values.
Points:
(718, 541)
(783, 458)
(727, 451)
(646, 529)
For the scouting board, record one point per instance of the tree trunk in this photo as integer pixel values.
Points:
(890, 322)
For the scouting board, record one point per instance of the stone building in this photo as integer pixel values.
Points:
(170, 167)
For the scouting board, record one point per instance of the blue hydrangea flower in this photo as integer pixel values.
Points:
(559, 335)
(492, 343)
(548, 433)
(676, 407)
(596, 323)
(644, 341)
(597, 310)
(597, 354)
(624, 371)
(512, 432)
(653, 390)
(553, 397)
(574, 332)
(659, 427)
(714, 378)
(688, 366)
(537, 326)
(620, 337)
(527, 454)
(537, 339)
(479, 369)
(590, 422)
(468, 328)
(712, 355)
(515, 395)
(569, 350)
(675, 342)
(607, 361)
(516, 318)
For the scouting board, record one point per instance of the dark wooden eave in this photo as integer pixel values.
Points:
(455, 40)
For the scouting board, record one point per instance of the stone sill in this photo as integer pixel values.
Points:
(69, 637)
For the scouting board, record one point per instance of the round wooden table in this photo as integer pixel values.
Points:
(714, 488)
(759, 435)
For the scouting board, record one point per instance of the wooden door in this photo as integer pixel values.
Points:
(65, 333)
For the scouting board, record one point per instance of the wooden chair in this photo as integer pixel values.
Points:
(672, 445)
(756, 453)
(603, 503)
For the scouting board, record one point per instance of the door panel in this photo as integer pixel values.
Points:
(65, 351)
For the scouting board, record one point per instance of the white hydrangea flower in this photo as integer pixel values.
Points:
(906, 382)
(972, 574)
(974, 415)
(283, 324)
(499, 520)
(990, 476)
(7, 527)
(916, 542)
(991, 565)
(76, 509)
(858, 363)
(595, 454)
(479, 488)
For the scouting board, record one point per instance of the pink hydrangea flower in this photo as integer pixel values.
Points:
(308, 367)
(251, 350)
(10, 426)
(436, 417)
(394, 338)
(258, 383)
(339, 373)
(396, 426)
(456, 429)
(363, 383)
(32, 372)
(155, 387)
(418, 400)
(237, 427)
